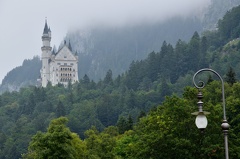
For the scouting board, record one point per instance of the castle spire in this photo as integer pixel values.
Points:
(45, 31)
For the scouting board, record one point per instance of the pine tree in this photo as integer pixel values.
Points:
(121, 124)
(231, 76)
(108, 78)
(60, 110)
(130, 123)
(210, 79)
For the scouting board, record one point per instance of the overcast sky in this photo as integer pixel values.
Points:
(22, 21)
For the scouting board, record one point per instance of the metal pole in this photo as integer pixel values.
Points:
(225, 126)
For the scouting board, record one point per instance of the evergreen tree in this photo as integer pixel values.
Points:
(203, 52)
(121, 124)
(194, 55)
(231, 76)
(142, 114)
(164, 88)
(108, 78)
(60, 110)
(129, 123)
(181, 58)
(86, 81)
(210, 79)
(153, 66)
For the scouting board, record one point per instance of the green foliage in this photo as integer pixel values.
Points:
(124, 112)
(57, 142)
(101, 145)
(124, 124)
(167, 128)
(60, 110)
(169, 131)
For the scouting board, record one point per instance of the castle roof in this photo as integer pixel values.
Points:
(63, 53)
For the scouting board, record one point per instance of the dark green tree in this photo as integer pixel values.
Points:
(60, 109)
(122, 125)
(152, 66)
(181, 58)
(142, 114)
(129, 122)
(193, 52)
(231, 76)
(108, 78)
(210, 79)
(58, 142)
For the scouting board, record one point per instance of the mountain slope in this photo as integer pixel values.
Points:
(115, 48)
(21, 76)
(101, 49)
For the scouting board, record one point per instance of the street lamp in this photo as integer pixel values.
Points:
(201, 120)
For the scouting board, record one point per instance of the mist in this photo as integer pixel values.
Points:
(22, 21)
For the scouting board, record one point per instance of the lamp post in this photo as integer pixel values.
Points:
(201, 120)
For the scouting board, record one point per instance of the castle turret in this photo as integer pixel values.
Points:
(46, 54)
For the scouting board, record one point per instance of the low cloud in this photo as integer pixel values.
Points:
(22, 21)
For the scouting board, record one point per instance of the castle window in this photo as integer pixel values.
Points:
(72, 64)
(59, 63)
(65, 56)
(65, 64)
(56, 74)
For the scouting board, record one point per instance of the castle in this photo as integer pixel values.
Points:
(60, 67)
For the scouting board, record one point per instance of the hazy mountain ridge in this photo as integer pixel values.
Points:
(216, 11)
(101, 49)
(21, 76)
(116, 48)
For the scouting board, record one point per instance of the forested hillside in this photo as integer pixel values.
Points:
(144, 112)
(104, 48)
(22, 76)
(115, 48)
(216, 11)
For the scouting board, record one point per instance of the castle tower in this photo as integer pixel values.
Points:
(46, 55)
